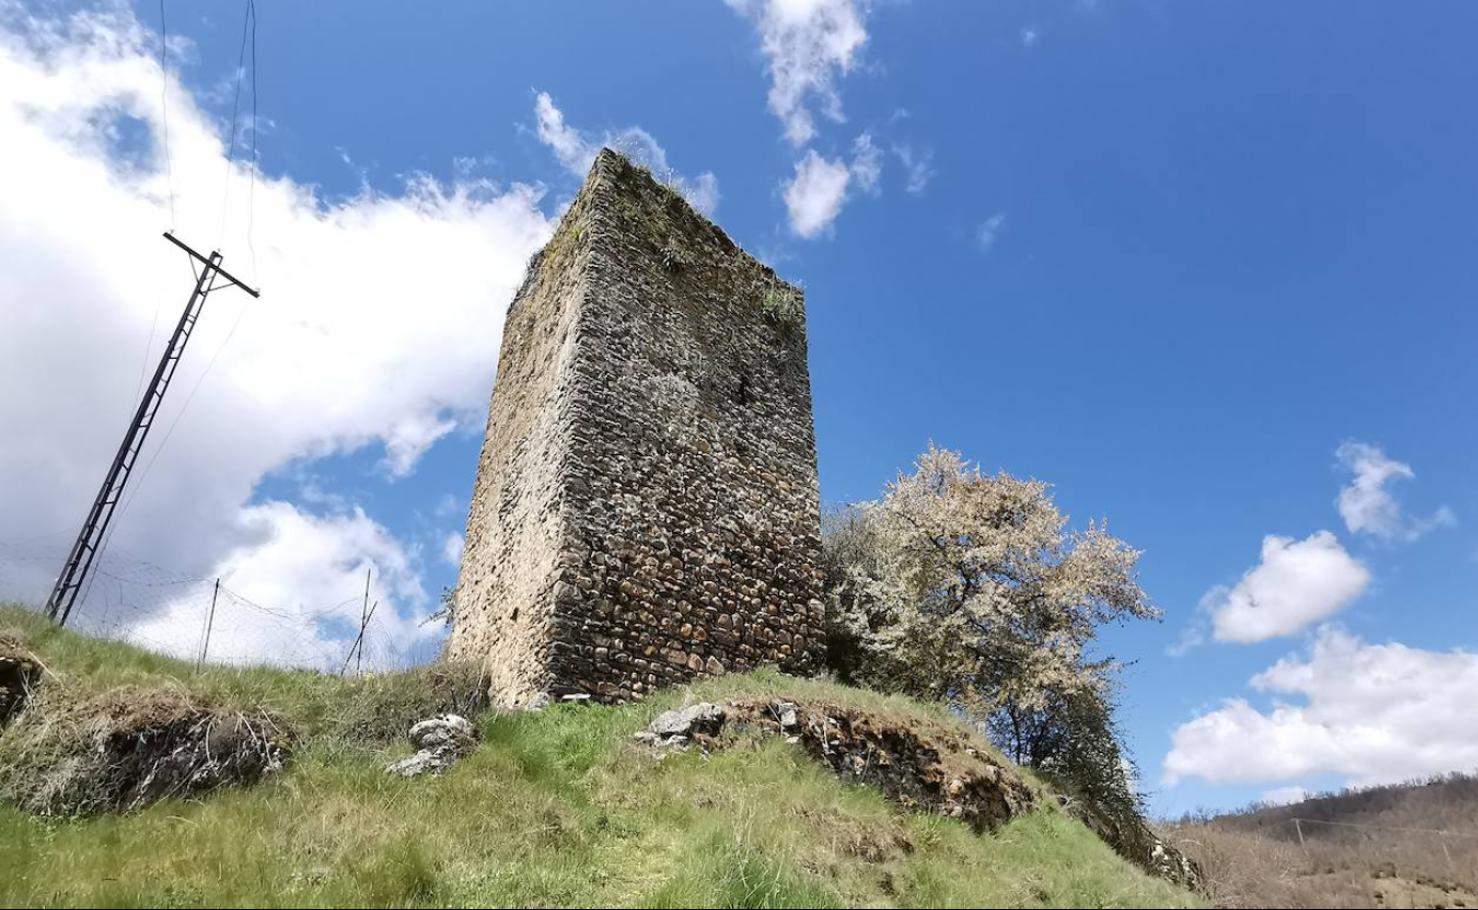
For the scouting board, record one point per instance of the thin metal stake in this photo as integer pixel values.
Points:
(209, 622)
(359, 658)
(358, 645)
(363, 619)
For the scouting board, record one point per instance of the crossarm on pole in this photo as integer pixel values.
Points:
(168, 235)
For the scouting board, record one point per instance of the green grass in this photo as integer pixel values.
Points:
(556, 808)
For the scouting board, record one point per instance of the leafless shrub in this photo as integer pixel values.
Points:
(1413, 845)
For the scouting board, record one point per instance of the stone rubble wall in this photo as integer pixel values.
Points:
(664, 508)
(516, 524)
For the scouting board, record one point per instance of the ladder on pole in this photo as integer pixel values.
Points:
(91, 538)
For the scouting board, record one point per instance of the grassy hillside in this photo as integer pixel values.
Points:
(556, 808)
(1405, 845)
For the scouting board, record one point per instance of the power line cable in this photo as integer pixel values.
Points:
(164, 106)
(169, 176)
(246, 21)
(251, 192)
(248, 31)
(143, 475)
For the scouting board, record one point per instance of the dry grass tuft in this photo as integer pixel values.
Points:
(20, 674)
(119, 750)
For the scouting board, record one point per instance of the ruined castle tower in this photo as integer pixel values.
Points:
(645, 510)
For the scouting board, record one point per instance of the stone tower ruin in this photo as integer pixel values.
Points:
(646, 506)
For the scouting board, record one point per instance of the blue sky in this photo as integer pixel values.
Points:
(1169, 257)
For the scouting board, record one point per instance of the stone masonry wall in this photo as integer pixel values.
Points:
(646, 508)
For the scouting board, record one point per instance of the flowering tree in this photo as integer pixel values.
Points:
(969, 588)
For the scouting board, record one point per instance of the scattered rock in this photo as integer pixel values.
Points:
(786, 716)
(681, 726)
(440, 742)
(1134, 840)
(436, 732)
(1169, 863)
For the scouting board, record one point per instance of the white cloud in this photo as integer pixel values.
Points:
(571, 148)
(990, 230)
(807, 44)
(361, 337)
(409, 439)
(814, 197)
(1369, 713)
(917, 164)
(1283, 796)
(1368, 507)
(451, 549)
(1297, 583)
(576, 151)
(1029, 36)
(867, 163)
(301, 574)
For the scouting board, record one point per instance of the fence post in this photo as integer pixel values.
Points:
(209, 622)
(1298, 826)
(364, 611)
(363, 629)
(358, 646)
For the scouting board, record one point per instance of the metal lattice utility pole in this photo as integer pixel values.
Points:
(90, 539)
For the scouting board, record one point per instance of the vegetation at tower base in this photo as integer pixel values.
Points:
(556, 807)
(968, 589)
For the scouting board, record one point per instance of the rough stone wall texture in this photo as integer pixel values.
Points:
(646, 506)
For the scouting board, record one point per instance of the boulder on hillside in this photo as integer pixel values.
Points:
(440, 741)
(682, 726)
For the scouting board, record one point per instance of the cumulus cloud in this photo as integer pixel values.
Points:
(807, 44)
(451, 548)
(1366, 503)
(1297, 583)
(815, 195)
(918, 167)
(359, 339)
(1284, 796)
(990, 231)
(299, 572)
(576, 150)
(1369, 713)
(867, 163)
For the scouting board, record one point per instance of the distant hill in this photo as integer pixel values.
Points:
(1405, 845)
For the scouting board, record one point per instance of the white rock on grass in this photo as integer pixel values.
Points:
(441, 741)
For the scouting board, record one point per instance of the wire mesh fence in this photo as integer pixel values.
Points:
(202, 618)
